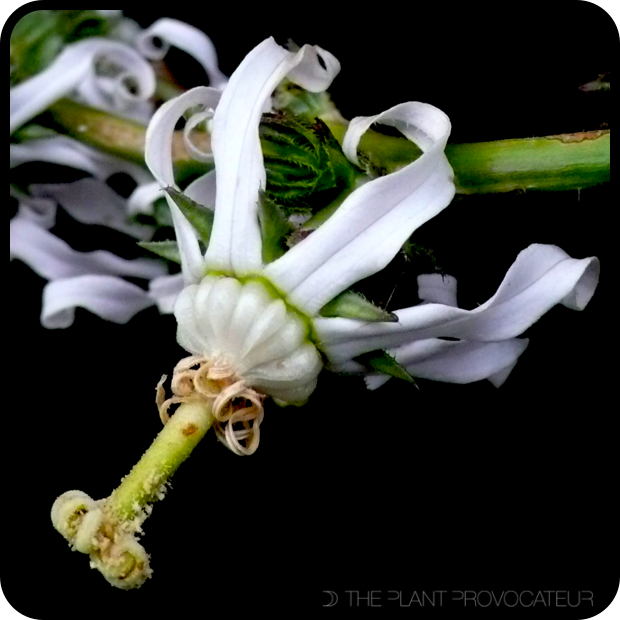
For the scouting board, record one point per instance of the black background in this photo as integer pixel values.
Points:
(449, 488)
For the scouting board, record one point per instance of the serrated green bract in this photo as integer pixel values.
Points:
(305, 166)
(351, 305)
(383, 362)
(274, 227)
(200, 217)
(166, 249)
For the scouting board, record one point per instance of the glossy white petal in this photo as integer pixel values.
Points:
(65, 151)
(53, 259)
(372, 224)
(108, 297)
(92, 202)
(158, 156)
(235, 245)
(164, 291)
(171, 32)
(455, 362)
(437, 288)
(76, 67)
(541, 277)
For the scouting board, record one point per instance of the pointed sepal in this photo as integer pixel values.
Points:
(351, 305)
(381, 361)
(166, 249)
(201, 218)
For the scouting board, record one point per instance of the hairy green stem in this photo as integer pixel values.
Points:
(171, 447)
(564, 162)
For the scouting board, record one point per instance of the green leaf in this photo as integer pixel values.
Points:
(166, 249)
(200, 217)
(383, 362)
(274, 227)
(351, 305)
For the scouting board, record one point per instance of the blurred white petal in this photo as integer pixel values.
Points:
(53, 259)
(76, 66)
(143, 198)
(66, 151)
(541, 277)
(235, 245)
(108, 297)
(41, 211)
(164, 291)
(171, 32)
(91, 202)
(372, 224)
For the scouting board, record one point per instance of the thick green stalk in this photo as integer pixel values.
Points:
(564, 162)
(171, 447)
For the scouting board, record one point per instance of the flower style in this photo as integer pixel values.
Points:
(254, 329)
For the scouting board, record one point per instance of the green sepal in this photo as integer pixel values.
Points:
(383, 362)
(274, 228)
(351, 305)
(166, 249)
(199, 217)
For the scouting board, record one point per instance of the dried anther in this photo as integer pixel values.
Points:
(237, 408)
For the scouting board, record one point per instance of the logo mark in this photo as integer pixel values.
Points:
(333, 598)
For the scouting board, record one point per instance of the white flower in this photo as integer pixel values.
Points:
(261, 322)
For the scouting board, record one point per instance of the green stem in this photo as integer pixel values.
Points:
(171, 447)
(564, 162)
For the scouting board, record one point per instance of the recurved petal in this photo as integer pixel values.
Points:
(235, 245)
(108, 297)
(76, 65)
(541, 277)
(371, 225)
(156, 40)
(158, 155)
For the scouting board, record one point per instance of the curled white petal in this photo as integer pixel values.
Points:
(92, 202)
(171, 32)
(52, 258)
(110, 298)
(66, 151)
(235, 246)
(74, 68)
(158, 156)
(541, 277)
(371, 225)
